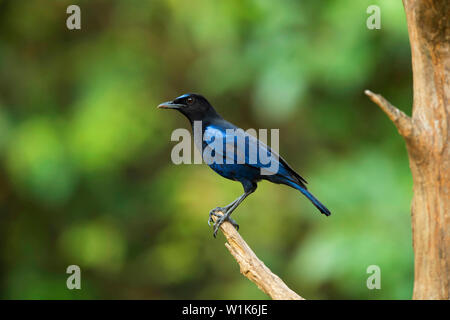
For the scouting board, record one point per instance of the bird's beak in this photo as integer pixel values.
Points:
(170, 105)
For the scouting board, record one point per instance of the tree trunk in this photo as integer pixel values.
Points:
(427, 138)
(428, 148)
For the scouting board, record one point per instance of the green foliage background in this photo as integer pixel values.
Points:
(85, 170)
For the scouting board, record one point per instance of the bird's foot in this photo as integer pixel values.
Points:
(221, 219)
(214, 211)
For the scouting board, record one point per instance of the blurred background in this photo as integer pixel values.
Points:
(85, 170)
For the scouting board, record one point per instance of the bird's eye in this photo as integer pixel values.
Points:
(190, 100)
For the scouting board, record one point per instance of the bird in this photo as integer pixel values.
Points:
(247, 171)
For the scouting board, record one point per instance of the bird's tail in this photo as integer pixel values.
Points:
(313, 199)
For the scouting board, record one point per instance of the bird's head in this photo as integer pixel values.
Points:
(193, 106)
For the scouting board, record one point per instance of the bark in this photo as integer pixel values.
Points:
(253, 268)
(426, 135)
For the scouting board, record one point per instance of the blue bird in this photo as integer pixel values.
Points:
(236, 161)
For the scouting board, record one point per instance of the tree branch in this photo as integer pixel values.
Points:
(253, 268)
(398, 117)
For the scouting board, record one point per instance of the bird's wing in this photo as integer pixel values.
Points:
(285, 168)
(243, 148)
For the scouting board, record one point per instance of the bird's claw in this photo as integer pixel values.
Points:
(217, 224)
(221, 218)
(213, 212)
(234, 223)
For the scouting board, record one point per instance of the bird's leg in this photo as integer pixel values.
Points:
(226, 214)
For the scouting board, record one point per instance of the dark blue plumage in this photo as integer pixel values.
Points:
(240, 162)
